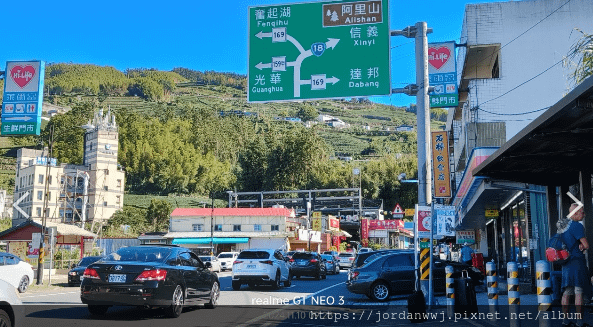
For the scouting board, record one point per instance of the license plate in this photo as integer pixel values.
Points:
(250, 266)
(302, 263)
(117, 278)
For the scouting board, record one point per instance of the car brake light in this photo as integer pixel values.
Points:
(155, 274)
(330, 261)
(291, 260)
(351, 258)
(90, 273)
(313, 260)
(355, 274)
(237, 262)
(268, 262)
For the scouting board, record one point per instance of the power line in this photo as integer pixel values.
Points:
(516, 114)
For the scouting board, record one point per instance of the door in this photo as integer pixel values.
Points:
(399, 271)
(203, 278)
(190, 275)
(284, 270)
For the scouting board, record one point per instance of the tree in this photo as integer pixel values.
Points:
(157, 215)
(307, 112)
(129, 216)
(582, 53)
(5, 223)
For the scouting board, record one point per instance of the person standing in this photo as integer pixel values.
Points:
(574, 272)
(466, 254)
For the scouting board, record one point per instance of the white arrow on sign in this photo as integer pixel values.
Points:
(579, 204)
(16, 205)
(26, 118)
(261, 34)
(261, 65)
(331, 43)
(332, 80)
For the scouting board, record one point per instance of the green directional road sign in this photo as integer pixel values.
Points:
(319, 50)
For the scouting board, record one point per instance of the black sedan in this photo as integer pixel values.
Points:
(169, 277)
(308, 264)
(75, 274)
(393, 273)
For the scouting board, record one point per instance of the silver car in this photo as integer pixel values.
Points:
(331, 265)
(12, 311)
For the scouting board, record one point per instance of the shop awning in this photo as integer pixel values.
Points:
(206, 240)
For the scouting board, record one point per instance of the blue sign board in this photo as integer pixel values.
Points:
(442, 74)
(23, 98)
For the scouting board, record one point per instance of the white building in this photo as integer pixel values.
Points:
(509, 72)
(87, 192)
(234, 229)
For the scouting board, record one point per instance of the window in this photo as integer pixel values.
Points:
(106, 171)
(257, 228)
(49, 178)
(399, 260)
(105, 188)
(39, 195)
(195, 261)
(185, 259)
(275, 228)
(119, 183)
(236, 228)
(218, 228)
(197, 227)
(117, 199)
(40, 179)
(105, 203)
(38, 211)
(495, 69)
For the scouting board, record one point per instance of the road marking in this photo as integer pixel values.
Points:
(50, 294)
(579, 204)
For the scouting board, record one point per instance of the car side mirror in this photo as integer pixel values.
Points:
(73, 265)
(208, 264)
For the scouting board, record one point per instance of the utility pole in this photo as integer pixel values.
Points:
(212, 227)
(45, 211)
(421, 90)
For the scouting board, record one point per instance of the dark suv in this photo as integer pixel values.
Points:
(308, 264)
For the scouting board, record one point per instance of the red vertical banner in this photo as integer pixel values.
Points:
(336, 241)
(364, 232)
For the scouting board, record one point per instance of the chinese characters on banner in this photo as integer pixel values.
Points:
(334, 223)
(364, 232)
(23, 98)
(423, 219)
(465, 236)
(386, 224)
(441, 177)
(442, 74)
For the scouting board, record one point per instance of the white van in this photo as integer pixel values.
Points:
(226, 260)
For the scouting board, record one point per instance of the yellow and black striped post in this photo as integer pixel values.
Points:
(513, 292)
(425, 261)
(450, 290)
(544, 289)
(492, 280)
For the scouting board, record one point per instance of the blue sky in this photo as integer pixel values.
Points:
(200, 35)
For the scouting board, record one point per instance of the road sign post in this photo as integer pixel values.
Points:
(319, 50)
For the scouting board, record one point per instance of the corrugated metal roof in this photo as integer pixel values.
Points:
(185, 212)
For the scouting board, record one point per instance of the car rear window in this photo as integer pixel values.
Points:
(346, 255)
(141, 254)
(205, 258)
(327, 257)
(302, 256)
(87, 261)
(225, 255)
(253, 255)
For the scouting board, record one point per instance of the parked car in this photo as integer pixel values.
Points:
(226, 259)
(361, 258)
(170, 277)
(261, 266)
(75, 274)
(12, 310)
(346, 259)
(215, 264)
(15, 271)
(334, 254)
(331, 264)
(393, 273)
(308, 264)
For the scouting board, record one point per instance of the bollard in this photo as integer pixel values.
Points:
(544, 290)
(492, 280)
(513, 293)
(450, 290)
